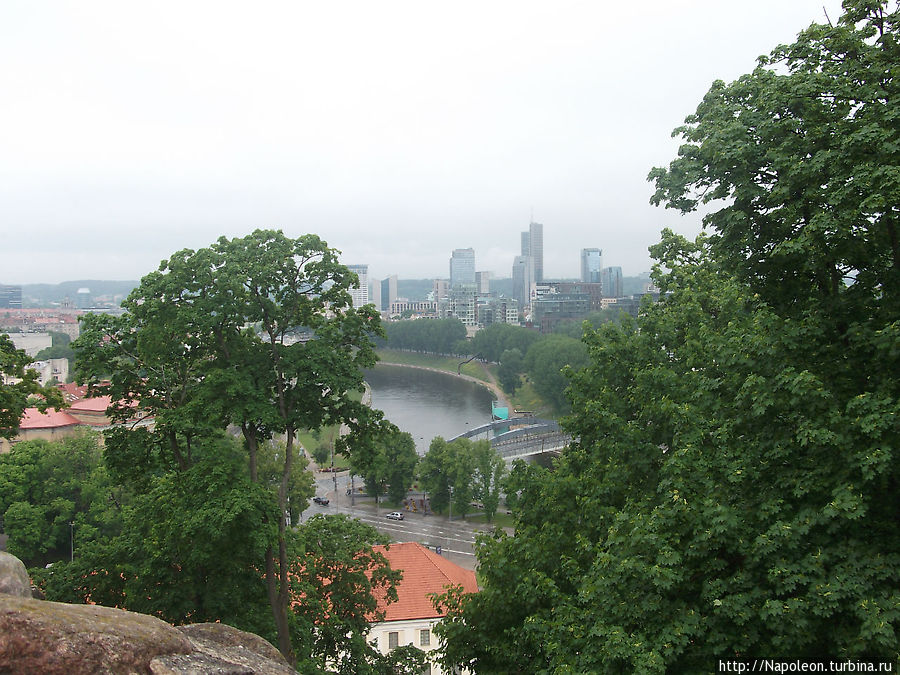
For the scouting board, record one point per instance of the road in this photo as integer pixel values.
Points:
(456, 538)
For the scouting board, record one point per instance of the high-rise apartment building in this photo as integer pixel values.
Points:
(591, 265)
(360, 295)
(462, 267)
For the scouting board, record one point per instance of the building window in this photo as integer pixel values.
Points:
(427, 670)
(424, 637)
(393, 639)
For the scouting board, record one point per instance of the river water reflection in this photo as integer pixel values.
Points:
(427, 403)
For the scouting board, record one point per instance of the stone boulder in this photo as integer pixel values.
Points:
(14, 578)
(234, 650)
(55, 638)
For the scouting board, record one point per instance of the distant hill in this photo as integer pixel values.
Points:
(101, 292)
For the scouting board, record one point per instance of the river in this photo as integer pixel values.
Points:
(426, 403)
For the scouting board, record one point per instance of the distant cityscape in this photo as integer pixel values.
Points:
(30, 313)
(478, 299)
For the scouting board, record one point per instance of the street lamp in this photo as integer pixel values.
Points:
(71, 541)
(450, 517)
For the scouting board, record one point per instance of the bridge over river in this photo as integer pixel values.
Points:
(522, 437)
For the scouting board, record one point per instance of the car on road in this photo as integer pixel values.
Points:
(321, 501)
(395, 515)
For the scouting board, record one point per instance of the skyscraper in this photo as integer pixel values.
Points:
(360, 295)
(388, 292)
(483, 282)
(523, 279)
(533, 247)
(611, 278)
(462, 267)
(591, 264)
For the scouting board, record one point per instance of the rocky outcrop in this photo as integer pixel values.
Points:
(50, 637)
(13, 576)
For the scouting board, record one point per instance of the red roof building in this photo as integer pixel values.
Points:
(412, 618)
(50, 426)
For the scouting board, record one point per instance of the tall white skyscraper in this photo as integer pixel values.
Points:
(591, 265)
(360, 295)
(523, 279)
(462, 267)
(533, 247)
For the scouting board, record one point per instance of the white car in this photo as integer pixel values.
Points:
(395, 515)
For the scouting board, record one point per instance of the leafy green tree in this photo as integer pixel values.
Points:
(301, 485)
(489, 471)
(391, 463)
(510, 372)
(214, 338)
(14, 398)
(338, 575)
(546, 363)
(447, 472)
(732, 491)
(438, 336)
(498, 338)
(322, 453)
(189, 547)
(45, 486)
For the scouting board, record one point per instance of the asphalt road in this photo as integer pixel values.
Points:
(456, 538)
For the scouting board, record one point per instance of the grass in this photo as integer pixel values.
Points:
(447, 364)
(310, 440)
(526, 398)
(501, 519)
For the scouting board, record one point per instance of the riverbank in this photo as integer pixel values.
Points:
(525, 397)
(476, 372)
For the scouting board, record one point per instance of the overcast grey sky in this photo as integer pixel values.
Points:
(397, 131)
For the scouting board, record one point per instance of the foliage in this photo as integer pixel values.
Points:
(510, 372)
(489, 470)
(461, 471)
(14, 398)
(301, 485)
(733, 490)
(322, 453)
(547, 362)
(492, 341)
(258, 332)
(337, 579)
(437, 336)
(45, 486)
(59, 349)
(189, 549)
(390, 465)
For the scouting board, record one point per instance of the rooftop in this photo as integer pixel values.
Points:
(424, 572)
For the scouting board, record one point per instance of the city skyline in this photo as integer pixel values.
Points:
(396, 133)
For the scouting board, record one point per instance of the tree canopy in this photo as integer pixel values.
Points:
(733, 488)
(257, 332)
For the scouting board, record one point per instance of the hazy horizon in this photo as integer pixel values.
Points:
(397, 132)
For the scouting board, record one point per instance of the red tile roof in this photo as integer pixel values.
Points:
(98, 404)
(424, 572)
(72, 392)
(52, 419)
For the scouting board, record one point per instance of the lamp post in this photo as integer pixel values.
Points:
(450, 517)
(71, 541)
